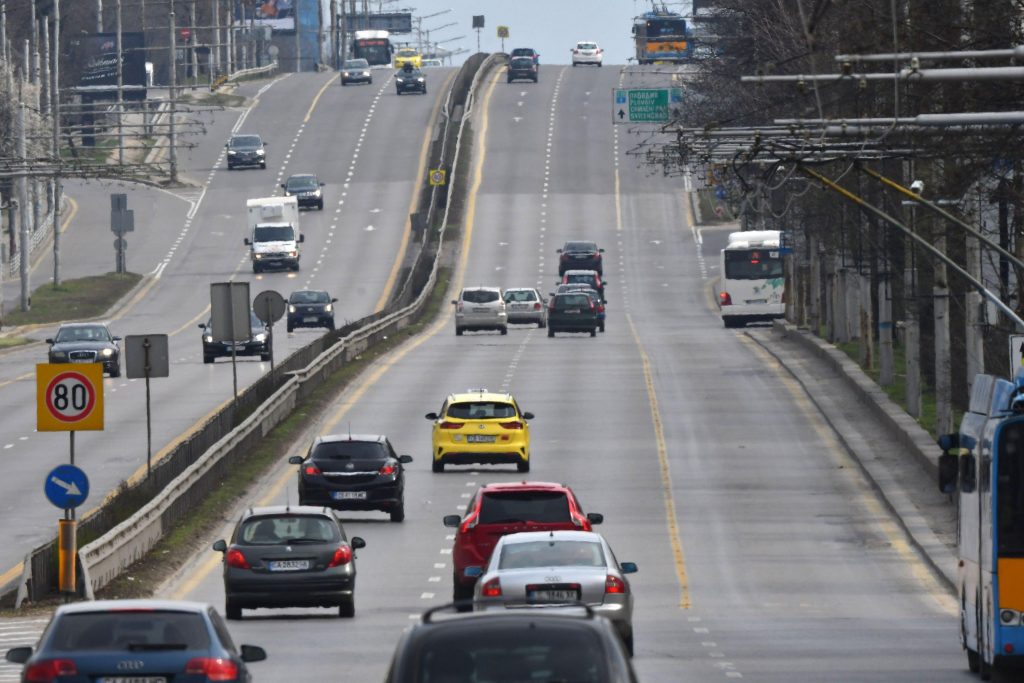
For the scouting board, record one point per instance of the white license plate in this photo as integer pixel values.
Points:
(757, 301)
(520, 307)
(572, 310)
(481, 310)
(553, 596)
(309, 319)
(348, 495)
(82, 360)
(288, 565)
(133, 679)
(480, 438)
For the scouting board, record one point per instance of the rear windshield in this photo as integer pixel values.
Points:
(522, 51)
(564, 301)
(525, 650)
(481, 410)
(551, 554)
(587, 46)
(349, 450)
(580, 277)
(273, 233)
(522, 62)
(752, 264)
(480, 296)
(246, 141)
(521, 295)
(580, 246)
(524, 506)
(287, 529)
(130, 631)
(309, 298)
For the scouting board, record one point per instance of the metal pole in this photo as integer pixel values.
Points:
(334, 34)
(34, 71)
(44, 79)
(911, 326)
(55, 107)
(215, 43)
(229, 35)
(120, 87)
(172, 95)
(344, 37)
(298, 44)
(149, 428)
(943, 380)
(24, 212)
(3, 30)
(99, 16)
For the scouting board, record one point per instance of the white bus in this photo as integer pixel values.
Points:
(753, 286)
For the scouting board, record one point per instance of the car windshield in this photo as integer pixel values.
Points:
(356, 64)
(273, 233)
(306, 297)
(579, 246)
(567, 301)
(84, 333)
(410, 73)
(288, 529)
(480, 296)
(481, 410)
(349, 450)
(124, 630)
(532, 506)
(551, 554)
(240, 141)
(255, 324)
(406, 52)
(302, 183)
(530, 650)
(520, 295)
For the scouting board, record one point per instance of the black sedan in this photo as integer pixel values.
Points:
(86, 343)
(411, 80)
(256, 344)
(310, 308)
(306, 188)
(289, 556)
(580, 255)
(353, 472)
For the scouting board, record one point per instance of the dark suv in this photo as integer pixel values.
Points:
(572, 312)
(580, 256)
(257, 344)
(499, 509)
(246, 150)
(410, 80)
(353, 472)
(310, 308)
(522, 68)
(525, 52)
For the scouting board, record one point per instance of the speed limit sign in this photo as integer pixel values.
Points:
(69, 397)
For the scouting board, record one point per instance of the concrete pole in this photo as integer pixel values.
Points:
(44, 78)
(867, 323)
(215, 43)
(3, 31)
(230, 61)
(34, 70)
(55, 106)
(974, 339)
(842, 297)
(298, 43)
(814, 303)
(172, 95)
(23, 210)
(99, 16)
(943, 380)
(886, 366)
(334, 35)
(911, 326)
(120, 86)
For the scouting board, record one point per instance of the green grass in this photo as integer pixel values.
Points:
(87, 297)
(11, 342)
(709, 203)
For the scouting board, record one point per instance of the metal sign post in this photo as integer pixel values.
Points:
(146, 355)
(122, 221)
(269, 307)
(230, 315)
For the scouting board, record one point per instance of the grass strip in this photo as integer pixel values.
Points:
(82, 298)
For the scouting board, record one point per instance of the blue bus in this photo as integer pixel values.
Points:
(983, 466)
(661, 36)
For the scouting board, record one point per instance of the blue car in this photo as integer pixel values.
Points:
(137, 640)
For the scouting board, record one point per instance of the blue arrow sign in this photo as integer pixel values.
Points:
(66, 486)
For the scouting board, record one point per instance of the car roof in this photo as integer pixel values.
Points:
(482, 395)
(587, 618)
(334, 438)
(129, 605)
(524, 486)
(520, 289)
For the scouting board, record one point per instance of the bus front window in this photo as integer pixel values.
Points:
(1010, 491)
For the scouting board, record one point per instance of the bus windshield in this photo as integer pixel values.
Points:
(665, 28)
(1010, 491)
(752, 264)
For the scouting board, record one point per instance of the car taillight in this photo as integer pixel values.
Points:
(213, 668)
(236, 559)
(387, 469)
(451, 425)
(591, 305)
(49, 670)
(342, 555)
(492, 589)
(580, 522)
(614, 584)
(536, 306)
(311, 470)
(468, 523)
(724, 299)
(514, 424)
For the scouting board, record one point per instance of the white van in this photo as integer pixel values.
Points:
(753, 285)
(274, 235)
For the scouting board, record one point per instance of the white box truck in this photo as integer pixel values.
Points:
(274, 235)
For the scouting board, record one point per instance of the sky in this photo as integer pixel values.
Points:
(551, 27)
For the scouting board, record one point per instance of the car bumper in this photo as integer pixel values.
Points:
(488, 456)
(586, 59)
(356, 79)
(273, 261)
(307, 202)
(316, 320)
(247, 349)
(531, 317)
(292, 590)
(516, 75)
(383, 496)
(246, 161)
(582, 324)
(480, 322)
(620, 614)
(415, 87)
(754, 312)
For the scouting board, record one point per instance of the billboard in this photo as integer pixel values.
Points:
(392, 22)
(96, 54)
(279, 15)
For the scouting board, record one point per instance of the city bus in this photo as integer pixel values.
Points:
(661, 36)
(372, 45)
(753, 284)
(983, 466)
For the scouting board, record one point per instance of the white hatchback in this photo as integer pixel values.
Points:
(587, 52)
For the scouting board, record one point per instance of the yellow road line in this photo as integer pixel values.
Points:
(407, 226)
(19, 378)
(317, 99)
(11, 573)
(274, 491)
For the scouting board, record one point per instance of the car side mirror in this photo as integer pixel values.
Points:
(948, 471)
(295, 460)
(356, 543)
(431, 416)
(227, 145)
(283, 186)
(220, 546)
(18, 655)
(451, 521)
(333, 300)
(246, 240)
(116, 338)
(558, 251)
(302, 238)
(454, 301)
(473, 571)
(600, 251)
(266, 144)
(628, 567)
(253, 653)
(201, 326)
(323, 184)
(595, 517)
(528, 416)
(405, 459)
(50, 339)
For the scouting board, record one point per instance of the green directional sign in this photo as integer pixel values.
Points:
(644, 105)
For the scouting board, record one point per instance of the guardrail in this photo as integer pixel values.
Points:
(197, 465)
(255, 71)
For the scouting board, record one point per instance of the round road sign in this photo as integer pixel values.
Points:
(268, 306)
(70, 397)
(437, 176)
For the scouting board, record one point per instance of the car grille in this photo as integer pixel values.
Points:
(82, 355)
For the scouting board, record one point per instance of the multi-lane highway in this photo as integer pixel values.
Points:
(366, 144)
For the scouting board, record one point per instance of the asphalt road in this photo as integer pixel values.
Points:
(366, 144)
(763, 552)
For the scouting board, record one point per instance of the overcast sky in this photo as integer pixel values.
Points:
(551, 27)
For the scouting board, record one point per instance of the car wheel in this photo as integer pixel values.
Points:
(266, 356)
(398, 512)
(628, 642)
(347, 609)
(458, 331)
(593, 332)
(437, 466)
(330, 324)
(504, 330)
(207, 359)
(256, 268)
(541, 325)
(523, 466)
(116, 372)
(290, 327)
(263, 164)
(461, 596)
(534, 79)
(551, 332)
(231, 167)
(601, 327)
(574, 65)
(320, 205)
(370, 82)
(973, 661)
(232, 611)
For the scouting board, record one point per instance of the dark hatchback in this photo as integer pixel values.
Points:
(526, 52)
(580, 256)
(246, 150)
(86, 343)
(136, 640)
(522, 68)
(353, 472)
(289, 556)
(599, 303)
(257, 344)
(306, 188)
(412, 80)
(571, 645)
(310, 308)
(572, 312)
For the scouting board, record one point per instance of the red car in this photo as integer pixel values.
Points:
(499, 509)
(590, 278)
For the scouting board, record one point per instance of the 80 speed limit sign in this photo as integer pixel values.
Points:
(69, 397)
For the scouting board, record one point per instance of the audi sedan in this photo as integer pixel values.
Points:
(86, 343)
(256, 344)
(136, 640)
(550, 568)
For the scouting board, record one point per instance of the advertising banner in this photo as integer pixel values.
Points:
(97, 55)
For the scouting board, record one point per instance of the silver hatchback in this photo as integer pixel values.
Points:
(480, 308)
(525, 305)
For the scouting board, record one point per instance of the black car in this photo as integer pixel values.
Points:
(410, 80)
(353, 472)
(522, 68)
(310, 308)
(580, 256)
(572, 312)
(595, 296)
(356, 71)
(257, 344)
(525, 52)
(305, 187)
(86, 343)
(289, 556)
(511, 645)
(136, 640)
(246, 150)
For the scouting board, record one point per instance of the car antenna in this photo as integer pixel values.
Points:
(350, 430)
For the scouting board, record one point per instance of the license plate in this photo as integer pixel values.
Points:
(572, 310)
(520, 307)
(309, 319)
(553, 596)
(480, 438)
(481, 310)
(348, 495)
(288, 565)
(82, 360)
(133, 679)
(757, 301)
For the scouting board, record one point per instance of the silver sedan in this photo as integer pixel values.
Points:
(538, 569)
(525, 305)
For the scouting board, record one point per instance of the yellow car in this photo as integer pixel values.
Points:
(480, 426)
(408, 55)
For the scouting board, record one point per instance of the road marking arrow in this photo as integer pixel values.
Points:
(71, 489)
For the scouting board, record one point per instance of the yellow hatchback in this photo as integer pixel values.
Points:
(407, 55)
(480, 427)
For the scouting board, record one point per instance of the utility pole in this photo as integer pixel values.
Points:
(23, 211)
(55, 109)
(3, 31)
(99, 16)
(344, 37)
(298, 45)
(334, 34)
(120, 87)
(33, 72)
(911, 326)
(172, 95)
(215, 43)
(974, 340)
(943, 381)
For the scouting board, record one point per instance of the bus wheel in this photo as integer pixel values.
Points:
(973, 661)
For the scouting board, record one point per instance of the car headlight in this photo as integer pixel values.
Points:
(107, 352)
(329, 308)
(260, 337)
(232, 152)
(208, 338)
(345, 74)
(58, 354)
(291, 309)
(258, 256)
(293, 254)
(419, 80)
(366, 73)
(260, 152)
(400, 80)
